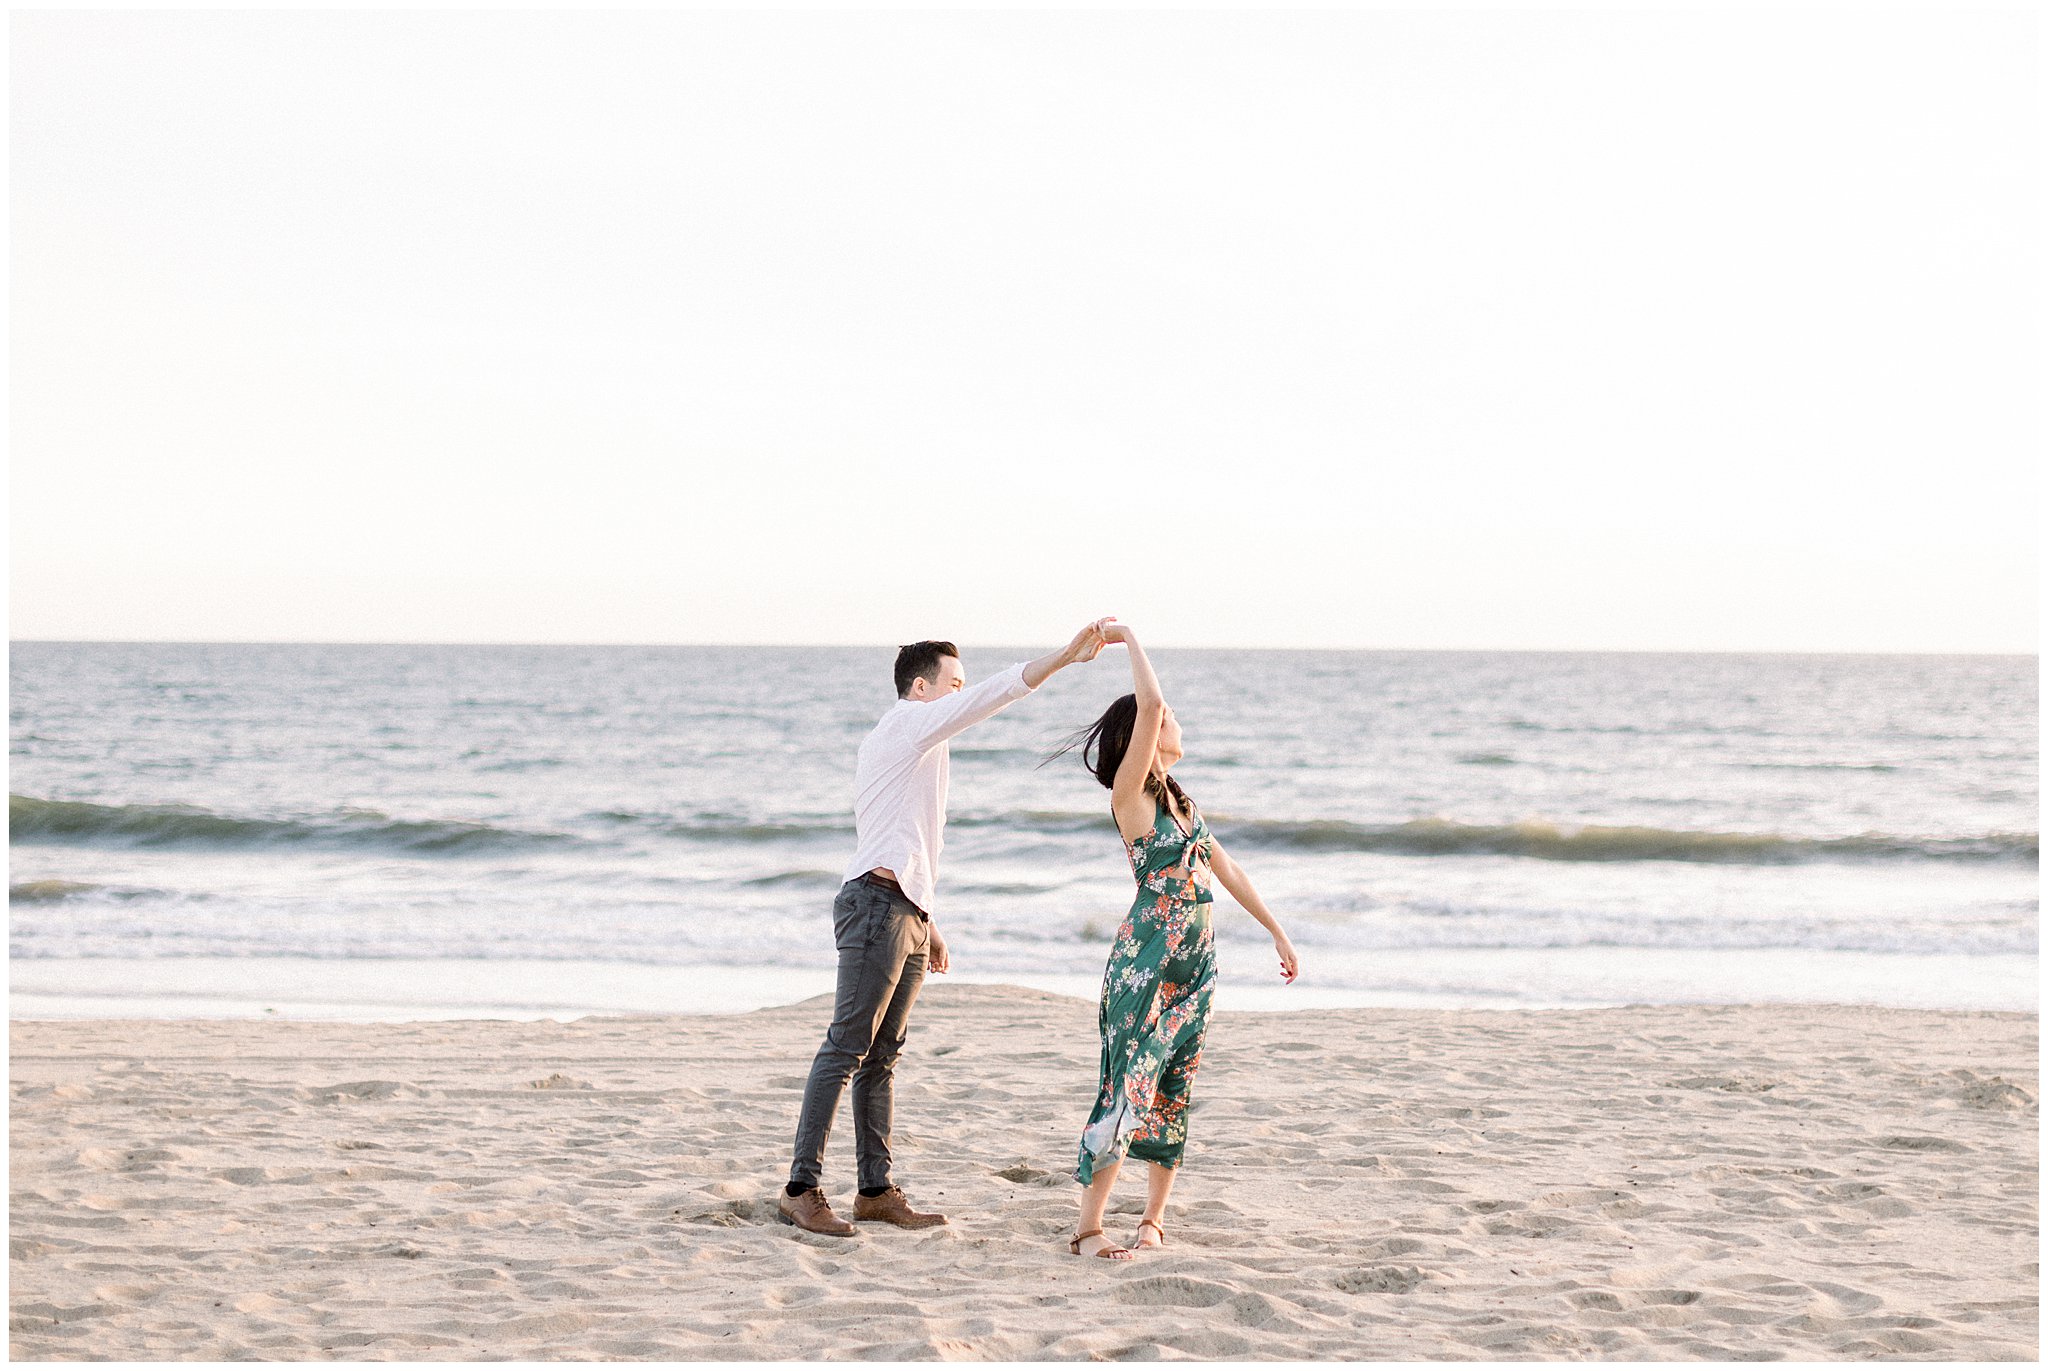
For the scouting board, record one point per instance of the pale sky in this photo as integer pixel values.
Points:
(1505, 329)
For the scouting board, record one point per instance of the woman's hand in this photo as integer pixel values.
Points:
(1290, 964)
(1114, 632)
(1087, 642)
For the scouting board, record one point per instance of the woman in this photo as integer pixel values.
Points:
(1162, 967)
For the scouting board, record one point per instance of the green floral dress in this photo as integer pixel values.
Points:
(1155, 1001)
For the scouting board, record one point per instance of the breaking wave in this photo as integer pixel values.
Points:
(179, 825)
(1600, 843)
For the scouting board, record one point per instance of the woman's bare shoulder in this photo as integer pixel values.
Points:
(1126, 821)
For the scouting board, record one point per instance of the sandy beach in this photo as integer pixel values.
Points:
(1645, 1183)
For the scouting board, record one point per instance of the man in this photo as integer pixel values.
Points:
(882, 919)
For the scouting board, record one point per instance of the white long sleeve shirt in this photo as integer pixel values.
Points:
(899, 805)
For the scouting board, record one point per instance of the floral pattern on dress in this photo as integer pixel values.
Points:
(1156, 992)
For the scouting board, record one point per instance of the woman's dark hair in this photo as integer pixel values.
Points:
(1103, 745)
(920, 659)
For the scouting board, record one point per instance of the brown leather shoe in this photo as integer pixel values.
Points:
(891, 1207)
(811, 1212)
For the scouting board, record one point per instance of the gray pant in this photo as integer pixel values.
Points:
(882, 941)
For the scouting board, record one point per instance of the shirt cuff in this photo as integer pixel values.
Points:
(1019, 688)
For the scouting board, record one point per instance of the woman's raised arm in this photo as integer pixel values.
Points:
(1128, 799)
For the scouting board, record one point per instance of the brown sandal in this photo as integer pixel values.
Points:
(1144, 1224)
(1110, 1253)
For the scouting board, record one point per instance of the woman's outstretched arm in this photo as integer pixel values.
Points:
(1240, 887)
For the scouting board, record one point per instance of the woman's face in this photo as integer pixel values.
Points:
(1169, 738)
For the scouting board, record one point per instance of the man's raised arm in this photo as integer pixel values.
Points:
(943, 718)
(1083, 648)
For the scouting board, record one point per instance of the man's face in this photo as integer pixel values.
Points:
(949, 680)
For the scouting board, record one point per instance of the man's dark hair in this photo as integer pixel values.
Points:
(920, 659)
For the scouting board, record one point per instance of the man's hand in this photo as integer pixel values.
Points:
(1088, 641)
(937, 960)
(1083, 648)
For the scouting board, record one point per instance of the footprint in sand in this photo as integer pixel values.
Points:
(1913, 1143)
(1187, 1293)
(1994, 1092)
(1381, 1280)
(1740, 1085)
(559, 1082)
(732, 1214)
(1030, 1175)
(139, 1159)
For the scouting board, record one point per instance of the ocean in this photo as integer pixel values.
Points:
(429, 829)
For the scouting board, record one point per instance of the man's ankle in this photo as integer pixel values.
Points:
(872, 1192)
(796, 1188)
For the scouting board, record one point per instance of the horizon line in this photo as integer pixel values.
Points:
(1164, 647)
